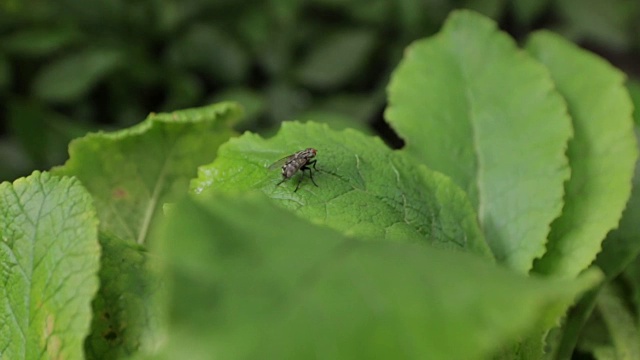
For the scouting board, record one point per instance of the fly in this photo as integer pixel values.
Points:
(302, 160)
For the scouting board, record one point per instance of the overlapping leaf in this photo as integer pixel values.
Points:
(468, 103)
(130, 173)
(125, 320)
(602, 153)
(49, 258)
(364, 188)
(283, 288)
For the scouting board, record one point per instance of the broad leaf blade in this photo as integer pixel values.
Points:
(282, 288)
(602, 153)
(130, 173)
(622, 245)
(125, 321)
(50, 257)
(468, 103)
(364, 188)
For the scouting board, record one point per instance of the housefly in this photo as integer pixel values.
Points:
(302, 160)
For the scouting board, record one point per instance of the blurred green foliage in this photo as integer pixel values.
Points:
(72, 66)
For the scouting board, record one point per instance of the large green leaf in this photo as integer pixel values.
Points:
(130, 173)
(364, 188)
(49, 259)
(609, 23)
(278, 287)
(602, 153)
(468, 103)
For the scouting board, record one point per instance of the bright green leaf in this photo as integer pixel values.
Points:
(364, 188)
(278, 287)
(130, 173)
(70, 77)
(602, 153)
(49, 257)
(468, 103)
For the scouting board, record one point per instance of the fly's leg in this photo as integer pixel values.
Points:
(311, 176)
(302, 177)
(312, 162)
(310, 172)
(299, 181)
(281, 181)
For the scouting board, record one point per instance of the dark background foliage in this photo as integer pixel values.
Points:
(72, 66)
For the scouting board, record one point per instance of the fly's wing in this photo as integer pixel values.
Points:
(278, 164)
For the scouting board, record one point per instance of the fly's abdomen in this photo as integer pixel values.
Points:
(289, 169)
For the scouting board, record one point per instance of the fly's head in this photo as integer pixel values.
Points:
(310, 153)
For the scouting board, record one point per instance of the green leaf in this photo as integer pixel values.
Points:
(184, 89)
(205, 48)
(27, 121)
(619, 250)
(634, 91)
(609, 23)
(336, 59)
(71, 77)
(360, 107)
(364, 188)
(252, 101)
(130, 173)
(631, 277)
(6, 73)
(285, 101)
(279, 287)
(123, 318)
(39, 41)
(602, 153)
(469, 104)
(527, 11)
(490, 8)
(49, 256)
